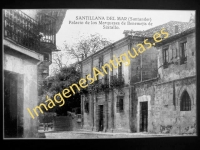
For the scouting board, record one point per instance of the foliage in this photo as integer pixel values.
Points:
(61, 80)
(59, 59)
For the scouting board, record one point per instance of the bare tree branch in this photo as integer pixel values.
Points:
(87, 46)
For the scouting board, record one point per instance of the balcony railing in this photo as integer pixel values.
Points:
(116, 81)
(28, 32)
(47, 26)
(21, 28)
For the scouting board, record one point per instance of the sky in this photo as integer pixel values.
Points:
(72, 32)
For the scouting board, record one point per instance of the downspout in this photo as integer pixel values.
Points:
(41, 59)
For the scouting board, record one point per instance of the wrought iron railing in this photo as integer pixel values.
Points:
(28, 32)
(106, 82)
(116, 81)
(47, 26)
(21, 28)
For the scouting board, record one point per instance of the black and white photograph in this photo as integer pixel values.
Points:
(99, 73)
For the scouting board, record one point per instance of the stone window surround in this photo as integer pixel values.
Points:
(185, 88)
(185, 102)
(119, 97)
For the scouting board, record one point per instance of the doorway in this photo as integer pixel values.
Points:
(143, 116)
(101, 118)
(13, 104)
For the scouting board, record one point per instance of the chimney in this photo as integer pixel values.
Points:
(125, 33)
(176, 29)
(192, 18)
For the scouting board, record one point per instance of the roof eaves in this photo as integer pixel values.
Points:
(188, 31)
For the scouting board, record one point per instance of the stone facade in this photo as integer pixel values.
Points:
(24, 66)
(152, 91)
(113, 120)
(164, 94)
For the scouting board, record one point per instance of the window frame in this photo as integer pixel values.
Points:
(185, 103)
(86, 102)
(183, 51)
(165, 51)
(120, 104)
(120, 70)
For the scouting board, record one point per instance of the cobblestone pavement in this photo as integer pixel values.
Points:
(96, 135)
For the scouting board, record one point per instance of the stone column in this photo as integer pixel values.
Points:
(82, 112)
(131, 94)
(95, 112)
(91, 111)
(106, 111)
(112, 97)
(92, 99)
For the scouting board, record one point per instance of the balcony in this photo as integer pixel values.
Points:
(25, 31)
(105, 85)
(116, 81)
(47, 28)
(22, 29)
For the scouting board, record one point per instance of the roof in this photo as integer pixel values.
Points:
(176, 36)
(58, 14)
(169, 26)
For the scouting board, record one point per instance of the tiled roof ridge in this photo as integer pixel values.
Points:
(142, 33)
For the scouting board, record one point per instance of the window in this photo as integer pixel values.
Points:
(86, 105)
(106, 81)
(176, 29)
(176, 55)
(120, 104)
(185, 102)
(165, 57)
(100, 61)
(172, 54)
(97, 77)
(46, 57)
(183, 52)
(97, 81)
(120, 70)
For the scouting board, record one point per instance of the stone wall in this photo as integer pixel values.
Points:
(161, 92)
(176, 70)
(111, 117)
(164, 115)
(143, 66)
(22, 64)
(142, 92)
(121, 119)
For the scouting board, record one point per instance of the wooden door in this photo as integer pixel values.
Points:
(101, 118)
(143, 116)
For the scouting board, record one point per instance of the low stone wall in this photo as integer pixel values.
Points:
(66, 123)
(62, 123)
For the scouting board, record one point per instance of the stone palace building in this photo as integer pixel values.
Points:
(156, 93)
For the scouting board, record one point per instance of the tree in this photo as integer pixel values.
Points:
(86, 46)
(59, 59)
(66, 76)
